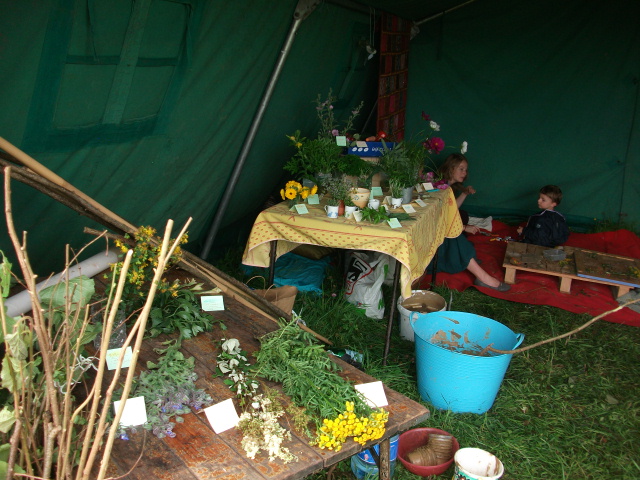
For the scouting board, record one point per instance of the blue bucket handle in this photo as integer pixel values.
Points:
(519, 340)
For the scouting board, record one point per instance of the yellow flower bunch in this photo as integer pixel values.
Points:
(294, 190)
(334, 432)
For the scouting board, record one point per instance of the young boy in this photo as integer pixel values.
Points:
(547, 228)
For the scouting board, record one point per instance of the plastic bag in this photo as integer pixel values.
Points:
(364, 283)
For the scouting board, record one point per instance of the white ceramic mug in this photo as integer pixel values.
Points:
(349, 210)
(396, 202)
(374, 203)
(332, 211)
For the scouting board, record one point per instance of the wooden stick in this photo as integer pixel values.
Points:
(43, 171)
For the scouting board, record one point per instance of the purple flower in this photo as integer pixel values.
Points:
(335, 132)
(435, 144)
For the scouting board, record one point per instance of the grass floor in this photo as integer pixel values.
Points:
(565, 410)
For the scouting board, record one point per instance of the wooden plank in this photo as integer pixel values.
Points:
(608, 268)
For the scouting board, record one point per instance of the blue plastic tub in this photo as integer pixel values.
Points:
(451, 374)
(367, 457)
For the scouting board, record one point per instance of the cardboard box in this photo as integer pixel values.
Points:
(369, 149)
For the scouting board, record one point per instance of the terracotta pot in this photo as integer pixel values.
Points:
(340, 208)
(360, 197)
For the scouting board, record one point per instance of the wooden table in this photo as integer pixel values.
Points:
(197, 452)
(580, 264)
(278, 230)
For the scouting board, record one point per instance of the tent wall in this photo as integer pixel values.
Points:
(173, 160)
(545, 93)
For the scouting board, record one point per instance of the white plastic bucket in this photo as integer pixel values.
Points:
(476, 464)
(429, 302)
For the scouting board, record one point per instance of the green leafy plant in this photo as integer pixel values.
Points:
(176, 309)
(338, 187)
(233, 363)
(375, 215)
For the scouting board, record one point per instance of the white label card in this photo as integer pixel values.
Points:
(420, 202)
(387, 200)
(409, 208)
(419, 188)
(313, 199)
(301, 208)
(114, 354)
(341, 141)
(394, 223)
(428, 186)
(374, 394)
(222, 416)
(358, 216)
(212, 303)
(376, 191)
(361, 144)
(134, 413)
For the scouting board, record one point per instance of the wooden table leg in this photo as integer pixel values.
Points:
(565, 284)
(384, 469)
(392, 311)
(509, 275)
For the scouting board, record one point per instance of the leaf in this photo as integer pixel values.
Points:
(81, 289)
(5, 276)
(7, 419)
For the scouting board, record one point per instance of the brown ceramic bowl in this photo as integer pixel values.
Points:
(417, 437)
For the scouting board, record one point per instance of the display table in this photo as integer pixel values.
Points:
(197, 452)
(413, 245)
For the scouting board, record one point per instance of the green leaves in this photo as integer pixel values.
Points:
(375, 215)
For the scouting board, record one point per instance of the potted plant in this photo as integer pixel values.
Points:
(338, 189)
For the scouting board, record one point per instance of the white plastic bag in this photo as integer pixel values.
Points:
(364, 283)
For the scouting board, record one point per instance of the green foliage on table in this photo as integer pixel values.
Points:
(375, 215)
(401, 163)
(176, 309)
(294, 358)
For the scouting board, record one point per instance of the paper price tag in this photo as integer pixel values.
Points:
(341, 141)
(376, 191)
(419, 188)
(313, 199)
(134, 413)
(212, 303)
(114, 354)
(222, 416)
(394, 223)
(408, 208)
(373, 393)
(420, 202)
(428, 186)
(301, 208)
(358, 216)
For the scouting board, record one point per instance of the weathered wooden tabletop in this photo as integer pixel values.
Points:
(197, 452)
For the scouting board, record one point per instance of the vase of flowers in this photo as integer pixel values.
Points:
(294, 193)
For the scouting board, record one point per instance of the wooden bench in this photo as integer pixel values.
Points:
(622, 273)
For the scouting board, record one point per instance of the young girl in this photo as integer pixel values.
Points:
(458, 254)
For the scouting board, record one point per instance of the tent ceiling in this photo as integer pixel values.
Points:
(415, 10)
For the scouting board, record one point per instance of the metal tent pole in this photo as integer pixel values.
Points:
(303, 9)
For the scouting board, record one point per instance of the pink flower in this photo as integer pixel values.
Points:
(441, 184)
(425, 117)
(435, 144)
(335, 132)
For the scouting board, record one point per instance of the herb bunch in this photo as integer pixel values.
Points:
(232, 362)
(293, 358)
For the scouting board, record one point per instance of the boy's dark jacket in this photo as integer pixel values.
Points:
(547, 228)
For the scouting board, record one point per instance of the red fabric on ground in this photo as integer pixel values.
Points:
(540, 289)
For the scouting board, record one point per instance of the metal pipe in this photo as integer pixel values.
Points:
(432, 17)
(303, 9)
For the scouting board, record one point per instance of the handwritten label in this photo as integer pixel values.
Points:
(361, 144)
(394, 223)
(222, 416)
(341, 141)
(134, 413)
(114, 354)
(212, 303)
(358, 216)
(409, 208)
(428, 186)
(419, 188)
(301, 208)
(420, 202)
(373, 393)
(313, 199)
(376, 191)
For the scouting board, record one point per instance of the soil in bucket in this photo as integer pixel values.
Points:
(421, 301)
(454, 372)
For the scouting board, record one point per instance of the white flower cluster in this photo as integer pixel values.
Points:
(261, 430)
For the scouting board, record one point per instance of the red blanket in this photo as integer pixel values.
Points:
(539, 289)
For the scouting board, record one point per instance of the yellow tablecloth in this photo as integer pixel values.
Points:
(413, 245)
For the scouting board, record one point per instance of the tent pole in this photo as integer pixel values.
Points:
(303, 9)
